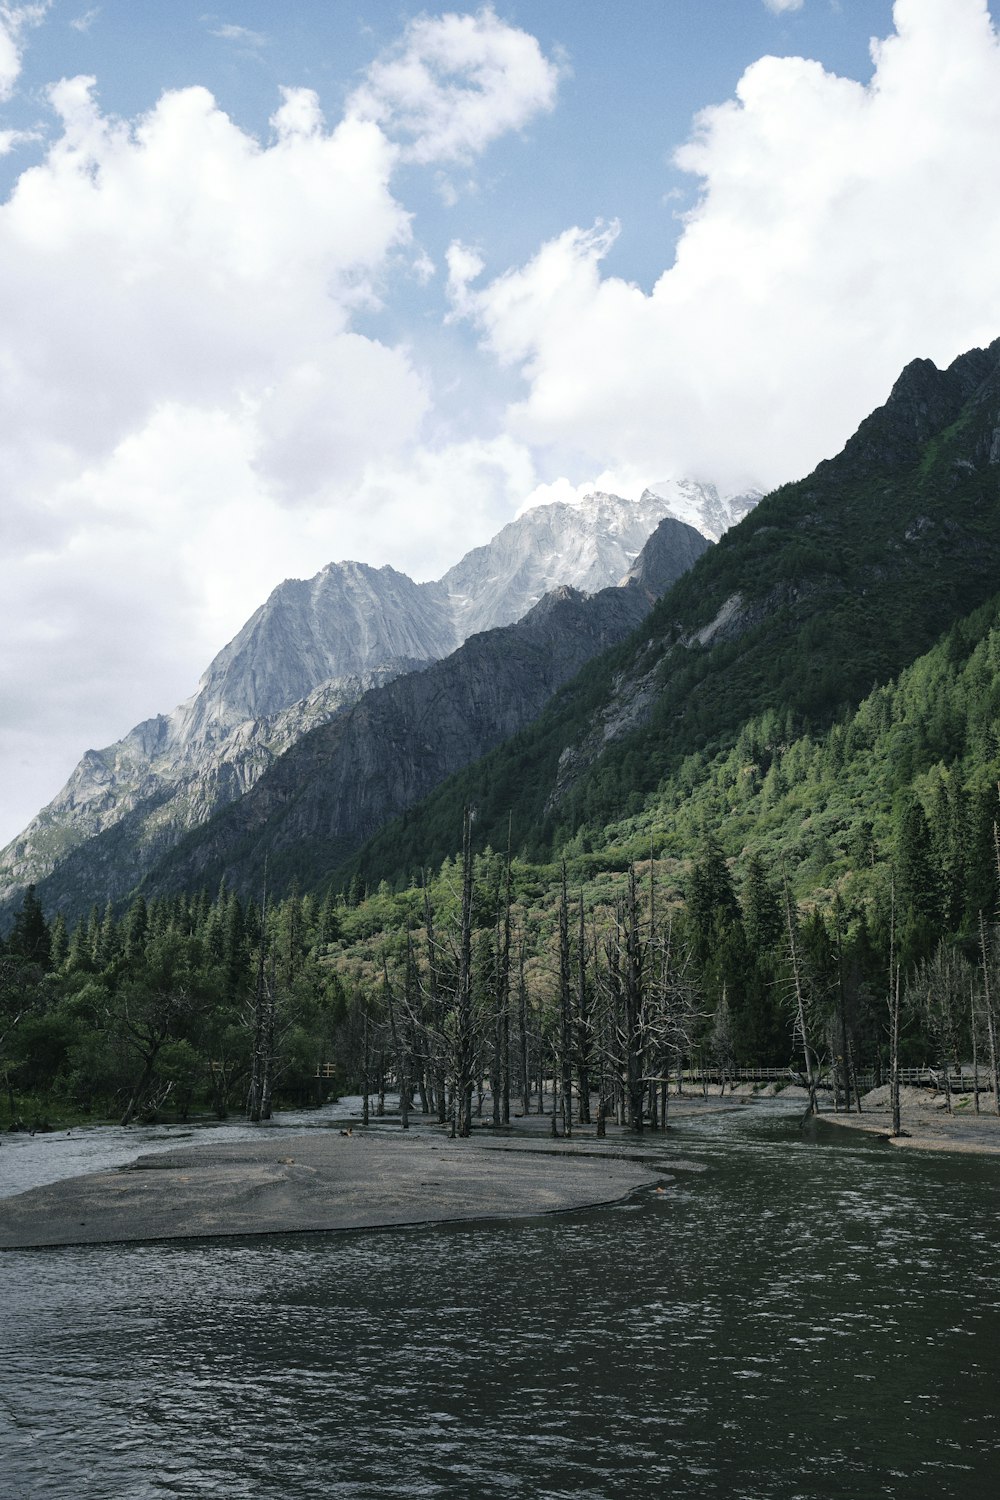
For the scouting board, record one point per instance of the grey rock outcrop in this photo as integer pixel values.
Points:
(588, 544)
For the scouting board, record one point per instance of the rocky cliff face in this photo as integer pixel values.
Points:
(345, 780)
(143, 794)
(313, 649)
(671, 550)
(348, 620)
(589, 544)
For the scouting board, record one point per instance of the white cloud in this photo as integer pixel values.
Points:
(241, 34)
(188, 409)
(469, 488)
(454, 83)
(779, 7)
(84, 22)
(464, 265)
(10, 139)
(14, 20)
(178, 260)
(841, 230)
(179, 364)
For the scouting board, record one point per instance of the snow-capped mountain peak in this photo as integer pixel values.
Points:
(701, 505)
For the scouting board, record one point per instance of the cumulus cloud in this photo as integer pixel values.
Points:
(464, 265)
(179, 365)
(14, 21)
(177, 260)
(190, 409)
(779, 7)
(455, 83)
(841, 230)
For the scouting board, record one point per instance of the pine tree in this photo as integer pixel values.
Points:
(30, 938)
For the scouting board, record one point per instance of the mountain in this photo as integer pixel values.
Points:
(125, 807)
(343, 781)
(589, 543)
(829, 587)
(701, 505)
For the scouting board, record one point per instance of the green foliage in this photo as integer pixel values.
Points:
(164, 985)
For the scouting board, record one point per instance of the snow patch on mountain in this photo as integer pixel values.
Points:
(702, 505)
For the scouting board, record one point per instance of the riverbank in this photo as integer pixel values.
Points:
(926, 1122)
(320, 1181)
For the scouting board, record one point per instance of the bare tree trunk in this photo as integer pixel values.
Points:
(632, 990)
(434, 996)
(267, 1047)
(973, 1027)
(583, 1022)
(399, 1047)
(854, 1076)
(464, 1060)
(255, 1093)
(991, 1032)
(844, 1060)
(800, 1005)
(504, 1036)
(565, 1010)
(894, 981)
(522, 1027)
(894, 1059)
(365, 1080)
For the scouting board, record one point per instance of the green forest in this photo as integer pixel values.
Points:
(787, 858)
(758, 907)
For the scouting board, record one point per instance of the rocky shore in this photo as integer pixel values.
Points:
(926, 1121)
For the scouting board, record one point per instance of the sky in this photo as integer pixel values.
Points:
(287, 284)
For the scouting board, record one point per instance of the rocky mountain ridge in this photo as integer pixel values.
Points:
(347, 778)
(352, 626)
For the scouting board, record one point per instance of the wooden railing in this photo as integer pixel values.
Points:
(960, 1080)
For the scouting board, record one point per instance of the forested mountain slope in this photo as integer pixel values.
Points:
(829, 587)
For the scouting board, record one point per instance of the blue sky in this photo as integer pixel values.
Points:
(287, 283)
(639, 71)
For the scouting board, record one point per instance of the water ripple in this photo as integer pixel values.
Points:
(802, 1319)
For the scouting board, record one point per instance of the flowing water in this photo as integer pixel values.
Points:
(802, 1318)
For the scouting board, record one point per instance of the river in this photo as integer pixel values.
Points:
(805, 1317)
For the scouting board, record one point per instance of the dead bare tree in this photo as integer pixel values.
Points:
(583, 1025)
(261, 1027)
(989, 1011)
(937, 989)
(464, 1039)
(801, 1022)
(566, 1028)
(894, 1016)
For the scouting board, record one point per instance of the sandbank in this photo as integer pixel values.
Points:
(322, 1180)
